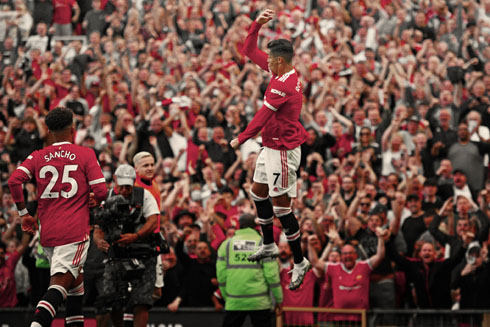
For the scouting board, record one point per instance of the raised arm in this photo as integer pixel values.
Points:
(376, 259)
(397, 205)
(8, 234)
(344, 121)
(385, 139)
(434, 230)
(317, 263)
(250, 47)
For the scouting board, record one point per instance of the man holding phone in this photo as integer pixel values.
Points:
(472, 277)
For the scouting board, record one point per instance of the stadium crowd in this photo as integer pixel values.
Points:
(396, 106)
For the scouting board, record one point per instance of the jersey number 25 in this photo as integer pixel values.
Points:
(47, 194)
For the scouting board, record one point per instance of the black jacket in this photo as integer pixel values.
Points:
(474, 287)
(197, 287)
(452, 240)
(432, 284)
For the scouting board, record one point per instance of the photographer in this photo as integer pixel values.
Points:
(140, 212)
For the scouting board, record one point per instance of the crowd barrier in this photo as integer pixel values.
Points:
(327, 317)
(198, 317)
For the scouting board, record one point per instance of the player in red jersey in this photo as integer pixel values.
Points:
(65, 175)
(282, 136)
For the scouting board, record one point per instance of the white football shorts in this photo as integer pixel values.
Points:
(69, 257)
(277, 168)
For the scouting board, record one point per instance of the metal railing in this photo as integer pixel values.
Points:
(329, 317)
(429, 318)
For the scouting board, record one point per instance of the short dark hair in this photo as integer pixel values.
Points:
(59, 118)
(28, 119)
(459, 171)
(430, 182)
(247, 220)
(281, 48)
(3, 246)
(226, 189)
(183, 213)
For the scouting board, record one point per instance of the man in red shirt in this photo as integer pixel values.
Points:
(350, 279)
(65, 175)
(62, 16)
(8, 293)
(300, 297)
(282, 136)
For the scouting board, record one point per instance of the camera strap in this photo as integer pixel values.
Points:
(137, 202)
(138, 195)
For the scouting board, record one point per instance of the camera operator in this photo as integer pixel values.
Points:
(143, 213)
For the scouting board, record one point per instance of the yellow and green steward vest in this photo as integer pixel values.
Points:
(246, 285)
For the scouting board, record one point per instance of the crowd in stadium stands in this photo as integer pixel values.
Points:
(396, 106)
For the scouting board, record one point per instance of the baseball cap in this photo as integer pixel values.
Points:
(458, 170)
(125, 175)
(378, 209)
(414, 118)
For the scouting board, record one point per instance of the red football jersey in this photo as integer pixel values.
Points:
(300, 297)
(63, 11)
(8, 295)
(65, 174)
(279, 116)
(350, 288)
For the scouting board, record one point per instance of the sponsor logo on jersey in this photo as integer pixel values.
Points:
(280, 93)
(349, 288)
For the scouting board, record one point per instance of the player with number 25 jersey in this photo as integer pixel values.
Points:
(69, 180)
(64, 174)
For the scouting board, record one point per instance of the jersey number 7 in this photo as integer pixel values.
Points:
(277, 177)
